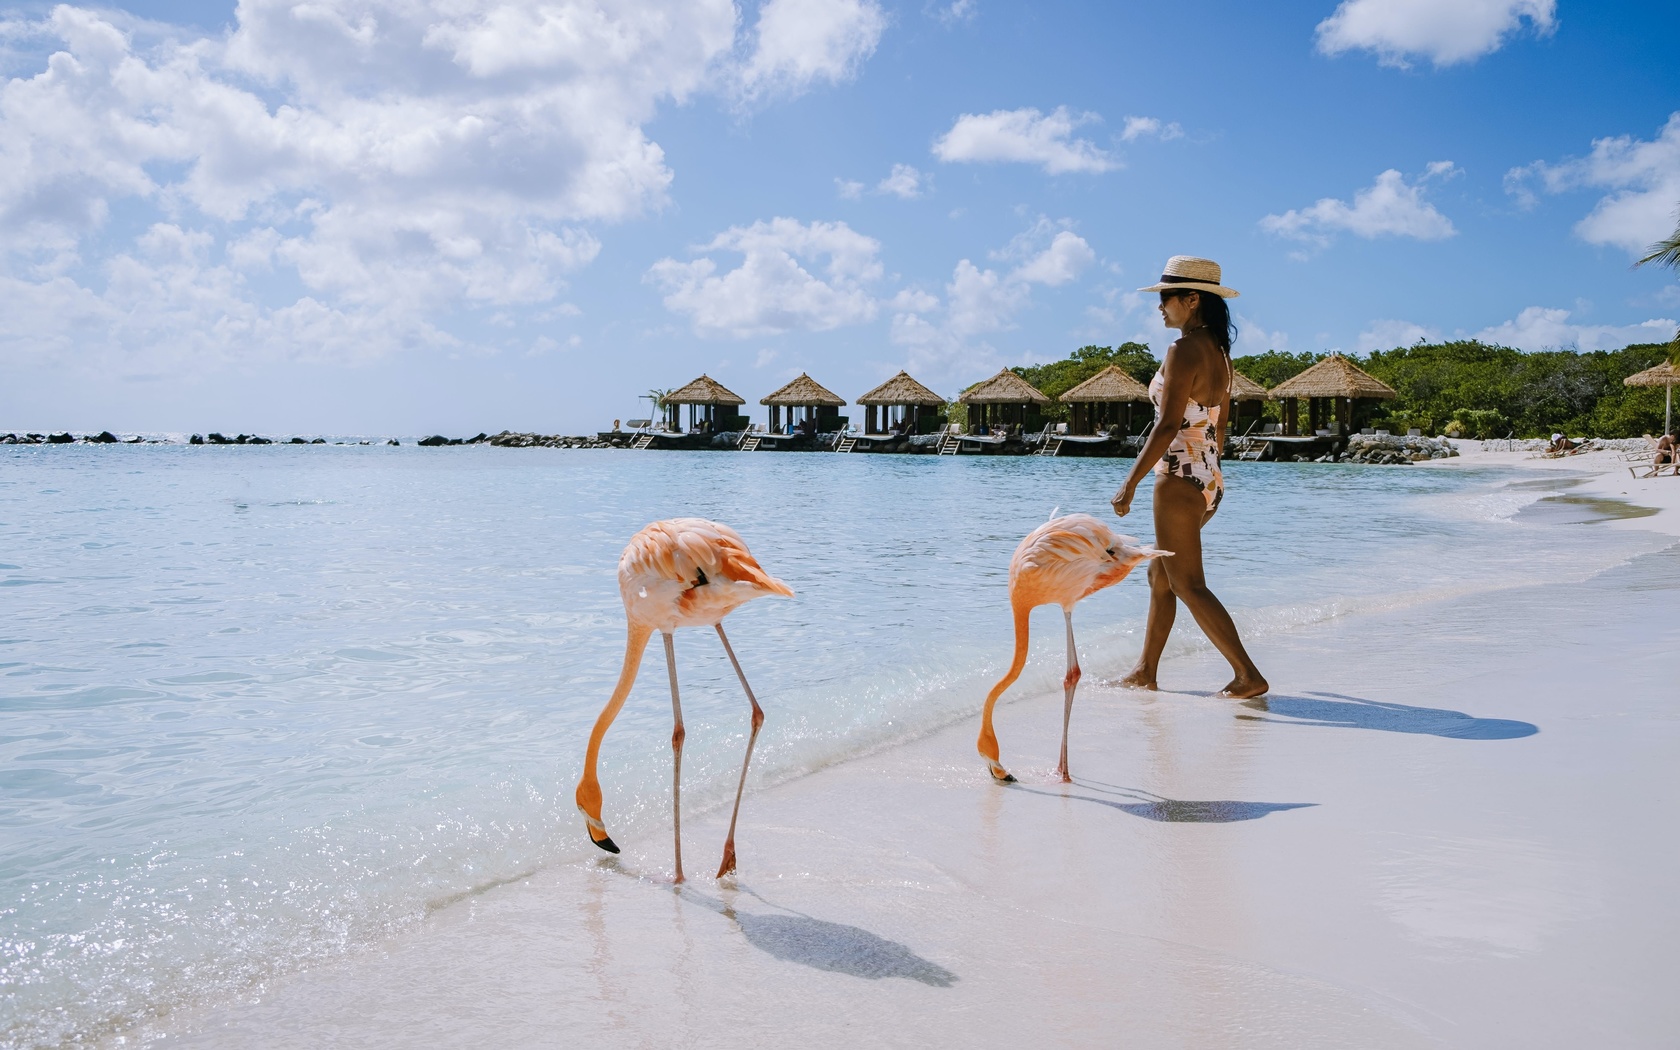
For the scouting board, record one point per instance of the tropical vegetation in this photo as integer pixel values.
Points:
(1463, 387)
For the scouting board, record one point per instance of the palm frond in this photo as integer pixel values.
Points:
(1665, 252)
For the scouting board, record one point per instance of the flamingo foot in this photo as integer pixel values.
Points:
(999, 774)
(605, 842)
(728, 865)
(1063, 773)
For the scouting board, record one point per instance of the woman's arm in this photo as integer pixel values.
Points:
(1175, 394)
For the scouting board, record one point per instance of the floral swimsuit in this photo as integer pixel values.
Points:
(1194, 452)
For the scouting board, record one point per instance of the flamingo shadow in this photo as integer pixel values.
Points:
(1350, 712)
(830, 946)
(1150, 806)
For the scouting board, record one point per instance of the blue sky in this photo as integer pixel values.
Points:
(397, 216)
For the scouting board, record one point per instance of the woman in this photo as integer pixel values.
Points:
(1191, 392)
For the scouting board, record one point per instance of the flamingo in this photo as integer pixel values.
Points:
(1060, 562)
(685, 572)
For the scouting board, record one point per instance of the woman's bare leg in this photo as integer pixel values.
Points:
(1163, 610)
(1180, 511)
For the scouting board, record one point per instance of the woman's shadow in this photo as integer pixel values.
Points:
(831, 946)
(1351, 712)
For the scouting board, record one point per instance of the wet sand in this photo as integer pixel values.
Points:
(1449, 825)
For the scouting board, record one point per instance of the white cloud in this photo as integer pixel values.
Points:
(1391, 206)
(1644, 177)
(957, 11)
(1139, 127)
(1540, 328)
(799, 42)
(773, 289)
(1025, 136)
(905, 182)
(401, 158)
(848, 190)
(1388, 334)
(1446, 32)
(938, 335)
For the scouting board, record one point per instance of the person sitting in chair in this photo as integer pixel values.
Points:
(1667, 445)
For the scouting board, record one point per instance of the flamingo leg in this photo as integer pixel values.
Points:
(1069, 683)
(676, 751)
(589, 786)
(988, 744)
(757, 721)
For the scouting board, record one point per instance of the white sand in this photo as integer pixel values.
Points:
(1451, 825)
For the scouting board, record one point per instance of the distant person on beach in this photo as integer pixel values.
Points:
(1191, 393)
(1561, 444)
(1666, 446)
(615, 426)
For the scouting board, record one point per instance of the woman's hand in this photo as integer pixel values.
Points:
(1122, 502)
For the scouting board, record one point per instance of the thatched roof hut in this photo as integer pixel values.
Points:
(1004, 399)
(1663, 375)
(704, 391)
(1005, 388)
(1103, 401)
(1246, 389)
(1330, 388)
(704, 397)
(901, 389)
(818, 401)
(804, 391)
(1335, 376)
(905, 395)
(1111, 384)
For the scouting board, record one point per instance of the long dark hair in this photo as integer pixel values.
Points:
(1214, 315)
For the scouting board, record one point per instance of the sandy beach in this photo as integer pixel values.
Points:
(1382, 853)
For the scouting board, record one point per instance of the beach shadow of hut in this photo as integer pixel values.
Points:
(831, 946)
(1332, 389)
(1100, 410)
(1003, 406)
(810, 409)
(711, 410)
(1335, 711)
(900, 408)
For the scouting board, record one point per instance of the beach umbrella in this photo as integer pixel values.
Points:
(1665, 376)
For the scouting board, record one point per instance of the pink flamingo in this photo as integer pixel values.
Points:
(685, 572)
(1059, 563)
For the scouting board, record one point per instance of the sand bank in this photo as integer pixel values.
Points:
(1446, 827)
(1595, 474)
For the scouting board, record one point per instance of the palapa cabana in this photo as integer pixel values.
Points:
(909, 398)
(711, 406)
(1330, 388)
(1103, 401)
(821, 407)
(1664, 375)
(1248, 399)
(1003, 400)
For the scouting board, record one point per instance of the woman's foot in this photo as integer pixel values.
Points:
(1243, 687)
(1138, 679)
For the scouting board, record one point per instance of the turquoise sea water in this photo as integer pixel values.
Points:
(264, 706)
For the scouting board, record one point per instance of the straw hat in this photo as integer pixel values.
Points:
(1189, 274)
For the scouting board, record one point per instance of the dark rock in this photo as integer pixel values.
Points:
(196, 439)
(482, 437)
(104, 437)
(433, 442)
(319, 441)
(393, 441)
(254, 440)
(60, 439)
(134, 441)
(297, 441)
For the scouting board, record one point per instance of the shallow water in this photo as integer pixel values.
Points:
(263, 706)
